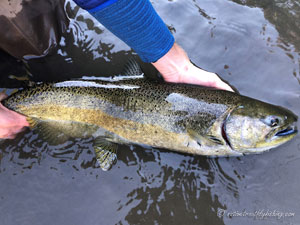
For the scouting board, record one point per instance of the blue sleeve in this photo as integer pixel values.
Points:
(137, 24)
(90, 4)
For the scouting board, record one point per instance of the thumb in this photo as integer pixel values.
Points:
(3, 96)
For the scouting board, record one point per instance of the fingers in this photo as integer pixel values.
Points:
(20, 120)
(12, 136)
(9, 118)
(219, 84)
(224, 86)
(10, 133)
(2, 96)
(11, 122)
(176, 67)
(201, 77)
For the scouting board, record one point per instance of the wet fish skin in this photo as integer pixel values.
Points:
(184, 118)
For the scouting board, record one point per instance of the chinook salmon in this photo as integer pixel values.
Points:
(132, 109)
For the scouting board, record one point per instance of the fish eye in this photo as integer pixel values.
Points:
(271, 121)
(274, 122)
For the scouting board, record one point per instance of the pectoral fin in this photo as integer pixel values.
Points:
(106, 153)
(214, 140)
(206, 140)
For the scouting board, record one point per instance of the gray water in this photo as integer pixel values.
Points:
(254, 45)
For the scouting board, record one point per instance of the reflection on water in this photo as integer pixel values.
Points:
(154, 177)
(285, 16)
(162, 183)
(252, 44)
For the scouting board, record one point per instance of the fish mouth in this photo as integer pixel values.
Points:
(287, 131)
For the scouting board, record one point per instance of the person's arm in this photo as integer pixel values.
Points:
(11, 122)
(137, 24)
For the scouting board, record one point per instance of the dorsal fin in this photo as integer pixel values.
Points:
(132, 68)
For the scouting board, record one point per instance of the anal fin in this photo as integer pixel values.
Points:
(106, 153)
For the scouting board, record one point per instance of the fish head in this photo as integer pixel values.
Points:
(255, 126)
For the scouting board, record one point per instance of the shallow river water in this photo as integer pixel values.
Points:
(252, 44)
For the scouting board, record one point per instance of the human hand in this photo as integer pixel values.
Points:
(176, 67)
(11, 122)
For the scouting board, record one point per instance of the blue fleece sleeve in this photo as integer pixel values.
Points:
(90, 4)
(137, 24)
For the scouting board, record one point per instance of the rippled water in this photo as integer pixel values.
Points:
(254, 45)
